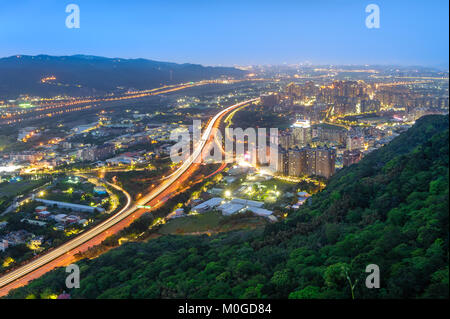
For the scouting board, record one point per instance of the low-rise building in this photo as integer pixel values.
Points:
(36, 241)
(100, 190)
(121, 160)
(33, 222)
(44, 214)
(177, 213)
(71, 219)
(83, 222)
(3, 245)
(259, 211)
(247, 202)
(75, 207)
(208, 205)
(60, 218)
(230, 208)
(17, 237)
(40, 209)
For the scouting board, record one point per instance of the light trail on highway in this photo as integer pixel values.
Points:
(58, 108)
(64, 254)
(55, 109)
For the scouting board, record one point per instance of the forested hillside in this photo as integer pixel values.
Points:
(391, 209)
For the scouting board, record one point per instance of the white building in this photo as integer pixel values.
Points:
(208, 205)
(230, 208)
(259, 211)
(75, 207)
(3, 245)
(84, 128)
(121, 160)
(60, 218)
(247, 202)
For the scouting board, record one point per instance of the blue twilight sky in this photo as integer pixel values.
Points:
(243, 32)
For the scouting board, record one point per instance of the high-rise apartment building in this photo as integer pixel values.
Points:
(351, 157)
(307, 161)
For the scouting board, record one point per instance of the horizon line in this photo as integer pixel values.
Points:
(439, 66)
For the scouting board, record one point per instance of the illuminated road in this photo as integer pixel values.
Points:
(64, 254)
(59, 108)
(48, 108)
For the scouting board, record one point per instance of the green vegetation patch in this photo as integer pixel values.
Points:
(19, 188)
(5, 141)
(189, 224)
(212, 221)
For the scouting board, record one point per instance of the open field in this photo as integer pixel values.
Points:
(18, 188)
(212, 222)
(5, 141)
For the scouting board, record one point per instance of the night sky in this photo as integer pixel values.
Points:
(233, 32)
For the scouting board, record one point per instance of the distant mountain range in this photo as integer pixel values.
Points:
(85, 75)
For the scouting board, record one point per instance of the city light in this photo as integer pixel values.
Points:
(272, 168)
(302, 123)
(10, 168)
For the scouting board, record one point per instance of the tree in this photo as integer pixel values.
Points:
(309, 292)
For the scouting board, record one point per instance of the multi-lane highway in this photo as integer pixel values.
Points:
(64, 254)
